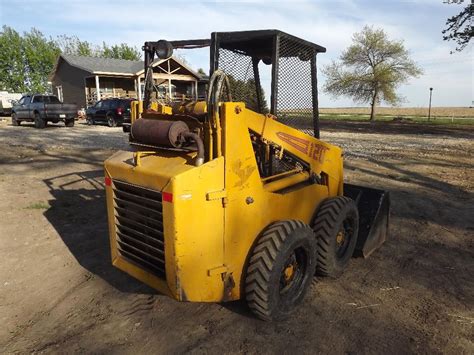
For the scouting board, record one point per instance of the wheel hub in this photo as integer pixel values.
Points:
(340, 238)
(289, 272)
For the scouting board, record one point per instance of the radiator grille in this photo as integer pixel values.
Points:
(139, 226)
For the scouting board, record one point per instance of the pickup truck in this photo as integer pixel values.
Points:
(42, 109)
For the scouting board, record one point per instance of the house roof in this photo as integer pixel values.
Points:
(97, 65)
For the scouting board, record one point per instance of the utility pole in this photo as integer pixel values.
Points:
(429, 108)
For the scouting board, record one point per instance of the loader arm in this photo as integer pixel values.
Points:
(323, 159)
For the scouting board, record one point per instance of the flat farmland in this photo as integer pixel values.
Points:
(446, 112)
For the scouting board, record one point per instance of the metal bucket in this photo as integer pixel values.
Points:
(374, 215)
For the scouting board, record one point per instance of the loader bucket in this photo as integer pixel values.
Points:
(374, 210)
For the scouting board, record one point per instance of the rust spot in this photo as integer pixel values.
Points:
(229, 284)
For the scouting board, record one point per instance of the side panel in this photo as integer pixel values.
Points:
(196, 222)
(250, 208)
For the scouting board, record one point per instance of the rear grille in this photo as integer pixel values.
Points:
(139, 226)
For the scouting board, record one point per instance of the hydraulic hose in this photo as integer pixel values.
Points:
(199, 143)
(218, 81)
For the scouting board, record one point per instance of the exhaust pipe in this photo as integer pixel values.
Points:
(200, 146)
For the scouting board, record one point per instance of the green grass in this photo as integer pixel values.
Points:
(409, 119)
(38, 206)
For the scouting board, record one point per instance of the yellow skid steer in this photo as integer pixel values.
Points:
(233, 197)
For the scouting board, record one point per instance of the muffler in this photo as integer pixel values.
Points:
(166, 134)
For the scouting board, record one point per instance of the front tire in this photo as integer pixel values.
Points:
(69, 122)
(90, 121)
(111, 121)
(39, 122)
(15, 121)
(336, 227)
(280, 269)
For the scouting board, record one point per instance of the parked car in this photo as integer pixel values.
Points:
(6, 100)
(42, 109)
(111, 111)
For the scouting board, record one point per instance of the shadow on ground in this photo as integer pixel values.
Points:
(79, 215)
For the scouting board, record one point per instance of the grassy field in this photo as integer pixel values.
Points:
(439, 115)
(455, 112)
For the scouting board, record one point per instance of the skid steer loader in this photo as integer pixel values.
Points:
(229, 198)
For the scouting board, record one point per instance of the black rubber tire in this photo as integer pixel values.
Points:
(39, 122)
(111, 121)
(69, 122)
(334, 215)
(90, 121)
(15, 121)
(266, 267)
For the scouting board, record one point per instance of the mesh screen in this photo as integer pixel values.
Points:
(239, 70)
(294, 105)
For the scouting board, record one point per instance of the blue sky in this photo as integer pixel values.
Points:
(328, 23)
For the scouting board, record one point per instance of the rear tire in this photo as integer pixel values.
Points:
(280, 269)
(39, 122)
(336, 227)
(111, 121)
(69, 122)
(15, 121)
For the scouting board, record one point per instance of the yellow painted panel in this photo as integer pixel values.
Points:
(245, 221)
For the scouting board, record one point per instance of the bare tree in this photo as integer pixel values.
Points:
(371, 69)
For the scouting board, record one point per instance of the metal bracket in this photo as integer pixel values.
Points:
(216, 195)
(217, 270)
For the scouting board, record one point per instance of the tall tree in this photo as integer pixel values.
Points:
(460, 28)
(26, 61)
(371, 69)
(74, 46)
(12, 66)
(40, 54)
(120, 51)
(245, 91)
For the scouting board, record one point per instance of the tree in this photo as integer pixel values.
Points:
(201, 72)
(460, 28)
(74, 46)
(11, 61)
(246, 91)
(39, 56)
(26, 61)
(120, 51)
(371, 69)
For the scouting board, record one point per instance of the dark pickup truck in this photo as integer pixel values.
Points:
(42, 109)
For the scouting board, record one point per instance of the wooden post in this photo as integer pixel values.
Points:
(196, 90)
(169, 80)
(97, 87)
(429, 108)
(139, 89)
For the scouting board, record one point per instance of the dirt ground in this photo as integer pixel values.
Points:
(59, 292)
